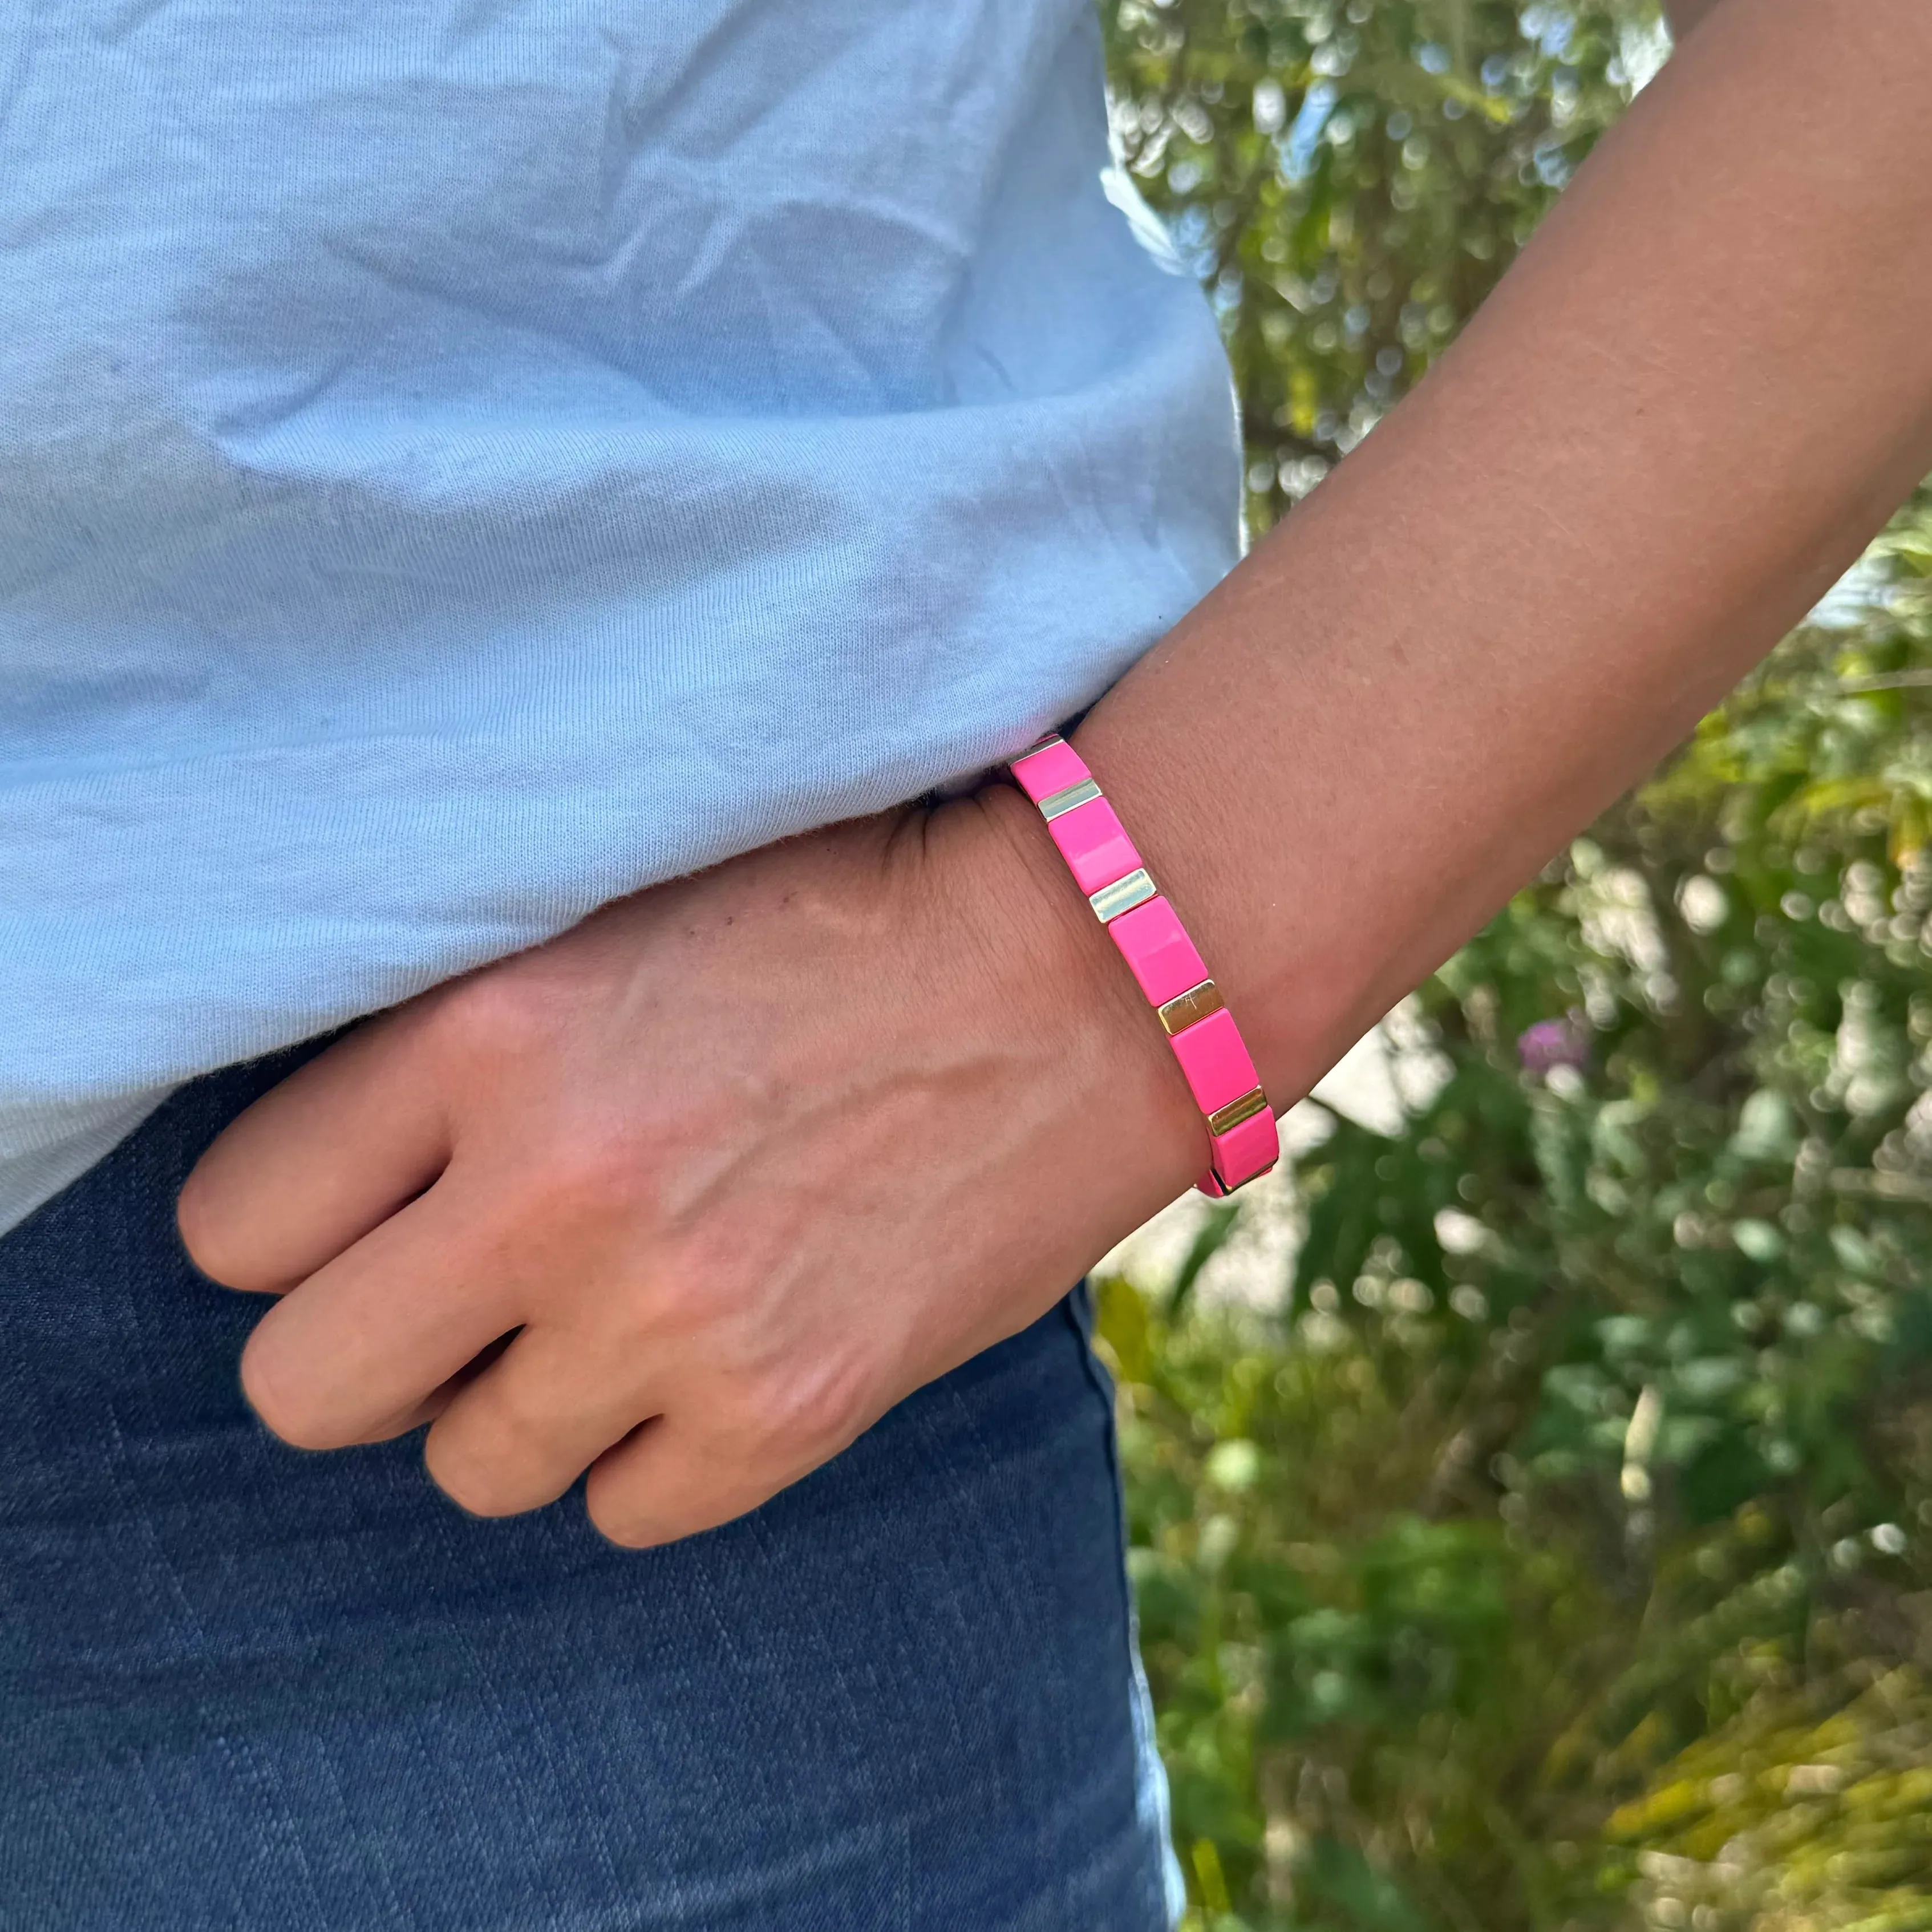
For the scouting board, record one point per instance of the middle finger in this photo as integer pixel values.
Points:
(373, 1335)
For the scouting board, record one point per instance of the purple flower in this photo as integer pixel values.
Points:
(1552, 1043)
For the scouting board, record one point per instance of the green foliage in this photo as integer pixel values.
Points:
(1350, 180)
(1558, 1553)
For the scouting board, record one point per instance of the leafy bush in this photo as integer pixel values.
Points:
(1558, 1551)
(1349, 180)
(1561, 1551)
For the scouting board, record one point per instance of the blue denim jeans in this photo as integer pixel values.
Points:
(241, 1686)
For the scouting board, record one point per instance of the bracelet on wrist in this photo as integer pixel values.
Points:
(1243, 1141)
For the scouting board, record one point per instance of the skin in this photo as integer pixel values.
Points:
(690, 1196)
(1685, 14)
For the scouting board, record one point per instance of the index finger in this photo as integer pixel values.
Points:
(319, 1161)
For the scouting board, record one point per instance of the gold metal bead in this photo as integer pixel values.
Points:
(1122, 896)
(1186, 1009)
(1224, 1119)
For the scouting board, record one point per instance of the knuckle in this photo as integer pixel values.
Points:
(512, 1416)
(212, 1235)
(635, 1521)
(496, 1454)
(808, 1413)
(496, 1013)
(592, 1166)
(199, 1219)
(478, 1486)
(287, 1408)
(618, 1512)
(593, 1172)
(629, 1529)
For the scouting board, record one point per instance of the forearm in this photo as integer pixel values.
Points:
(1676, 420)
(1682, 15)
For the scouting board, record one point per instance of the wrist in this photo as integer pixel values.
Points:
(1294, 986)
(1045, 967)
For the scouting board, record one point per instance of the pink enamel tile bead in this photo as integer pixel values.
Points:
(1215, 1058)
(1051, 767)
(1094, 844)
(1251, 1148)
(1155, 943)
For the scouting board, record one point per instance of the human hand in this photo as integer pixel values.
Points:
(691, 1195)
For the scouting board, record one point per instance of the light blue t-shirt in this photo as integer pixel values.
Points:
(461, 460)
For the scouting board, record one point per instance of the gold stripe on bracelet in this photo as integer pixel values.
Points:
(1122, 896)
(1224, 1119)
(1055, 803)
(1184, 1010)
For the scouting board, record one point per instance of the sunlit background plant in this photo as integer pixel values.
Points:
(1549, 1543)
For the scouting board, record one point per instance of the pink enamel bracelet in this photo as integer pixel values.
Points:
(1242, 1139)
